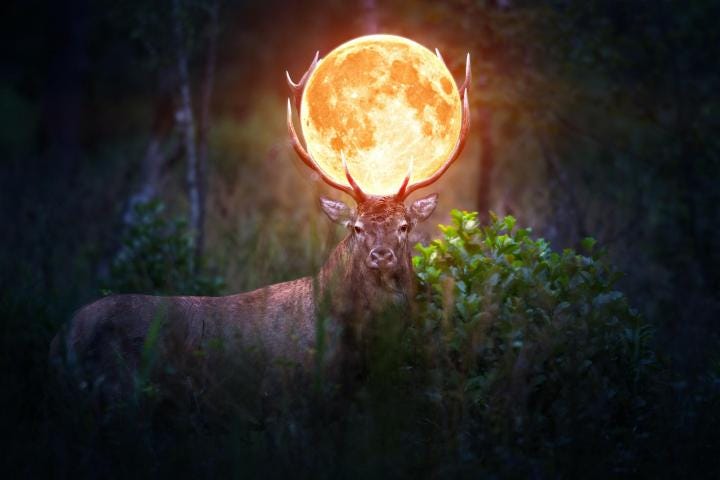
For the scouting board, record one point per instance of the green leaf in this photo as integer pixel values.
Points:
(588, 243)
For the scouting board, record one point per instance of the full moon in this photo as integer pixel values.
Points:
(386, 103)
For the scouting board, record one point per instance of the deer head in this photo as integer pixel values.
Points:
(379, 229)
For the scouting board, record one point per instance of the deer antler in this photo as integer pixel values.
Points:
(297, 90)
(406, 189)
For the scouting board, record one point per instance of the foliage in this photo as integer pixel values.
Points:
(546, 361)
(157, 256)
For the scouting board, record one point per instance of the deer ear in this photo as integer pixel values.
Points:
(337, 211)
(423, 207)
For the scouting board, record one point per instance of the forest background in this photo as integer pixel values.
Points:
(590, 119)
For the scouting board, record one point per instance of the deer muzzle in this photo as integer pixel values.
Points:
(382, 258)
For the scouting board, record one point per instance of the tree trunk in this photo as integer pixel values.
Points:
(370, 17)
(204, 121)
(565, 202)
(62, 105)
(487, 162)
(156, 153)
(186, 122)
(63, 90)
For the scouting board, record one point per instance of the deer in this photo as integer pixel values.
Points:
(369, 270)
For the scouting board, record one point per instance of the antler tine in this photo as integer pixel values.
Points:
(308, 160)
(401, 191)
(359, 194)
(297, 88)
(464, 127)
(466, 84)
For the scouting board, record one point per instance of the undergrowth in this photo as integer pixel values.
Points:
(519, 362)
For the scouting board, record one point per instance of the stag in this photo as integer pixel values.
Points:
(369, 270)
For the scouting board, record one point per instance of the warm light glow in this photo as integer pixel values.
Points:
(383, 101)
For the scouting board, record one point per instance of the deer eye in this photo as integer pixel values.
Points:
(404, 228)
(358, 229)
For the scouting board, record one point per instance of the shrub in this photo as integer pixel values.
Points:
(542, 364)
(157, 256)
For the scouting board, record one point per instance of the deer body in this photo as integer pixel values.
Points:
(368, 271)
(276, 319)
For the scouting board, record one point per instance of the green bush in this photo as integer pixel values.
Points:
(157, 256)
(543, 363)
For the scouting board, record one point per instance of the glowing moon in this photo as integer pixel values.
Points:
(383, 101)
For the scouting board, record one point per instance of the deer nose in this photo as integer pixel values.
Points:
(382, 257)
